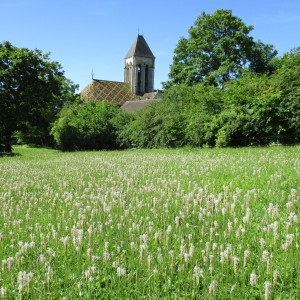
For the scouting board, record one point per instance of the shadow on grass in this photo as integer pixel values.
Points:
(9, 154)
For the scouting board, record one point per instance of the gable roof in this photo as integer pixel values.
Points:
(140, 48)
(113, 91)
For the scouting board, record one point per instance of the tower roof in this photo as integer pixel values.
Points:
(140, 48)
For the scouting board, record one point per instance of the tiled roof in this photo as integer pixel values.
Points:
(113, 91)
(140, 48)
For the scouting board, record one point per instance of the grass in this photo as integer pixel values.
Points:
(150, 224)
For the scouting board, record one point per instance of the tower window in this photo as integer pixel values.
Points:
(139, 79)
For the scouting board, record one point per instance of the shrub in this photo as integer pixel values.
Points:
(86, 126)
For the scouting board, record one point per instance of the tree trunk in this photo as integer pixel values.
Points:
(7, 146)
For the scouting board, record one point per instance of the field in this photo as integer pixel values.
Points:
(150, 224)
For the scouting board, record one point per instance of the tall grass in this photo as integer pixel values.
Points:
(155, 224)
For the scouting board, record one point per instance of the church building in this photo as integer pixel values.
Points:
(137, 90)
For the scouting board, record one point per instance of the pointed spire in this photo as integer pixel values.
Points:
(140, 48)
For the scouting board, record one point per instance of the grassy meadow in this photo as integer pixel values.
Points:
(150, 224)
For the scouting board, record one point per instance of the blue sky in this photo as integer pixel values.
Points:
(95, 35)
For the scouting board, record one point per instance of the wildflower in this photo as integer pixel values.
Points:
(215, 246)
(246, 218)
(192, 249)
(289, 240)
(207, 247)
(186, 257)
(65, 240)
(293, 194)
(4, 263)
(289, 206)
(89, 253)
(159, 256)
(10, 262)
(265, 256)
(121, 271)
(2, 292)
(149, 260)
(275, 277)
(169, 229)
(197, 272)
(246, 256)
(21, 280)
(229, 225)
(253, 279)
(293, 218)
(267, 286)
(90, 230)
(106, 256)
(262, 243)
(273, 210)
(177, 221)
(24, 280)
(235, 264)
(223, 211)
(158, 236)
(89, 273)
(232, 288)
(171, 253)
(144, 238)
(213, 287)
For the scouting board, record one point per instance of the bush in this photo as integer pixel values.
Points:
(86, 126)
(159, 125)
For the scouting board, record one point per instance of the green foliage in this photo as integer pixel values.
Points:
(218, 49)
(287, 79)
(254, 109)
(159, 125)
(249, 116)
(32, 90)
(87, 126)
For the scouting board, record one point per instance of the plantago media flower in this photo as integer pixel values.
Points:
(24, 280)
(213, 287)
(198, 272)
(121, 271)
(267, 286)
(169, 229)
(235, 264)
(253, 279)
(89, 253)
(246, 256)
(2, 292)
(275, 277)
(10, 262)
(265, 256)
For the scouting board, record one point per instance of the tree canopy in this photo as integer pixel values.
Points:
(218, 49)
(87, 125)
(32, 90)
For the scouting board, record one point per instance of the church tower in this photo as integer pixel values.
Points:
(139, 67)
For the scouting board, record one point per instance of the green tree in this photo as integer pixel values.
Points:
(250, 112)
(32, 90)
(218, 48)
(286, 78)
(198, 106)
(86, 126)
(159, 125)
